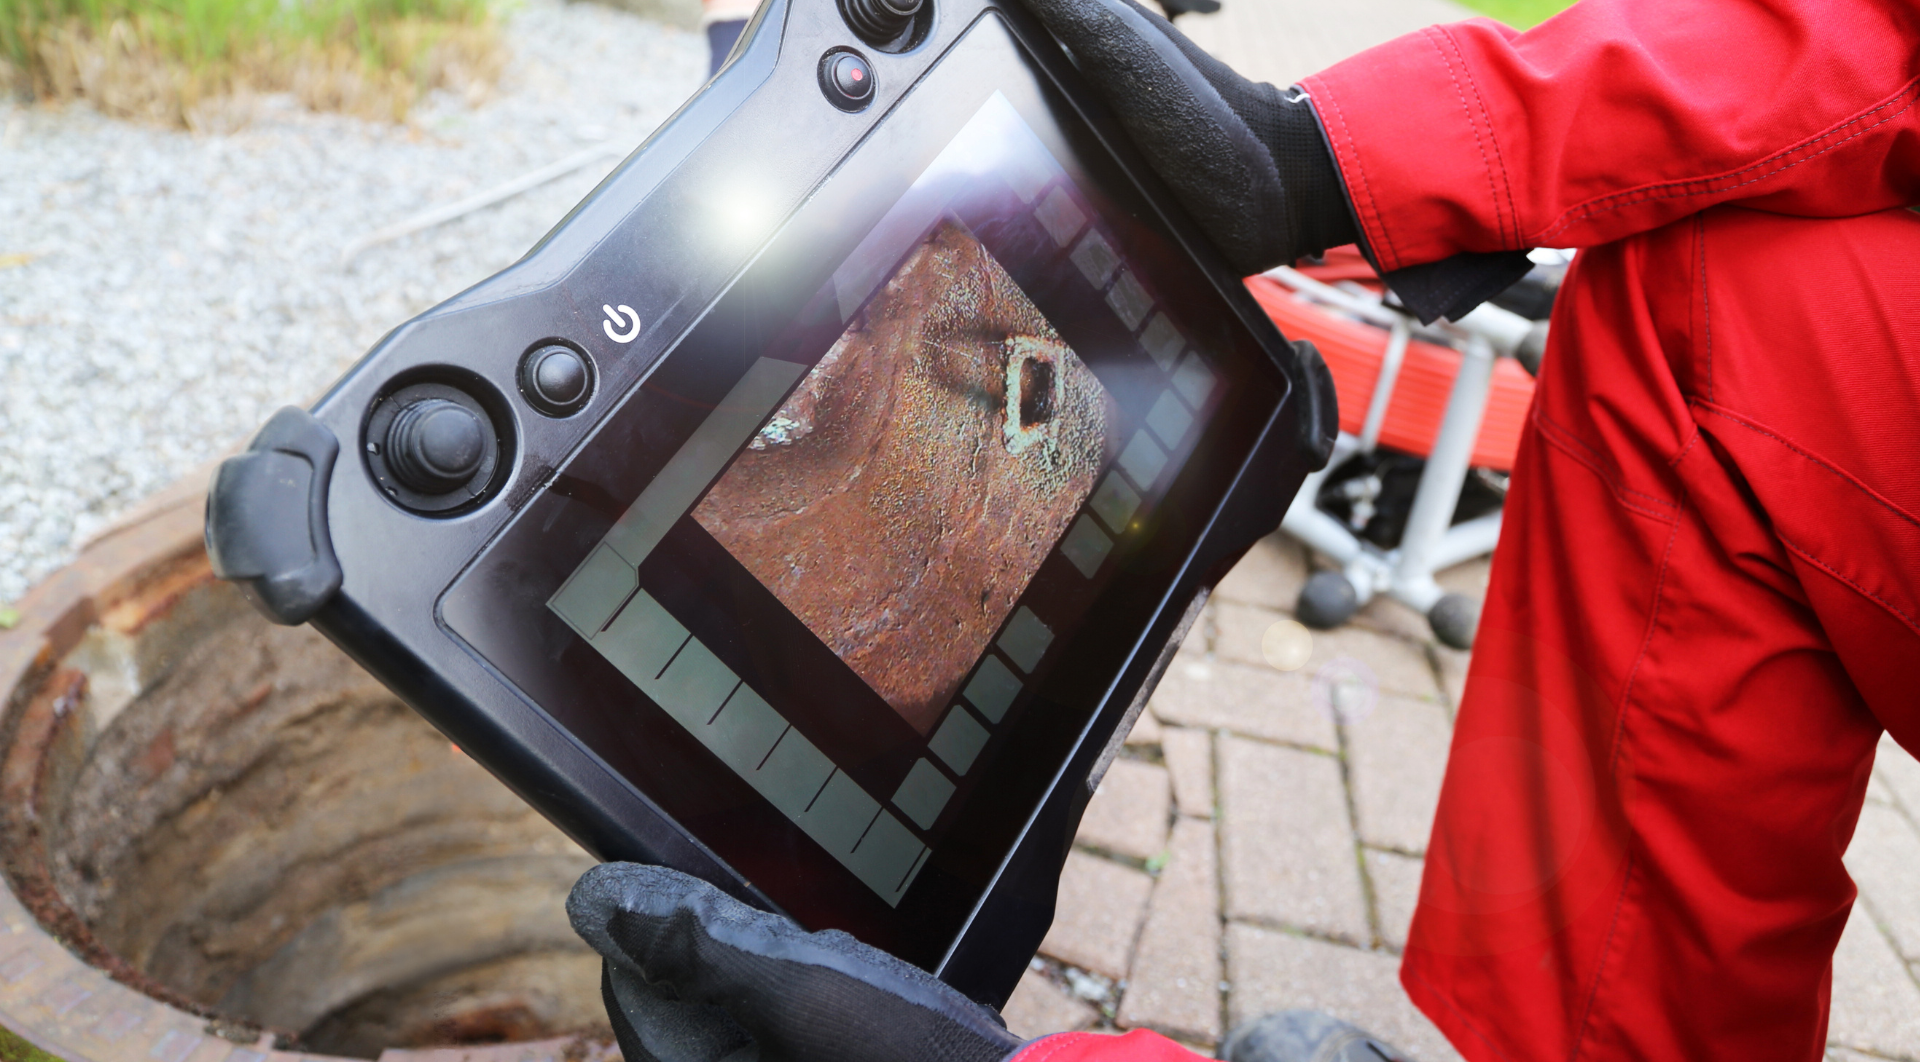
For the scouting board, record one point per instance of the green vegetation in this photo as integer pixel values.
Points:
(15, 1048)
(204, 33)
(160, 58)
(1520, 14)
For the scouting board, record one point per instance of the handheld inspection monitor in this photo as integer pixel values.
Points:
(813, 509)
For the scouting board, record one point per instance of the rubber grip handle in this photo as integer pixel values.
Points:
(1319, 422)
(267, 518)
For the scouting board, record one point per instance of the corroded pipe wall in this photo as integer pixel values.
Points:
(235, 819)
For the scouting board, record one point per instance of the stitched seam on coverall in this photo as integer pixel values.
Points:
(1845, 477)
(1646, 642)
(1906, 618)
(1613, 768)
(1898, 613)
(1681, 189)
(1563, 440)
(1493, 139)
(1600, 972)
(1434, 36)
(1692, 438)
(1360, 167)
(1706, 305)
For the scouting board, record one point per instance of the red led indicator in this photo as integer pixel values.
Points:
(846, 79)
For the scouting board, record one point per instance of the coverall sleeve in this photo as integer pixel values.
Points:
(1619, 116)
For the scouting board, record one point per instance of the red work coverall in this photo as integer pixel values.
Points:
(1705, 605)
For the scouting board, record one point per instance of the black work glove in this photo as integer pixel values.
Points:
(693, 975)
(1247, 160)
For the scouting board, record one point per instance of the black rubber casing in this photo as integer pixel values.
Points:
(368, 572)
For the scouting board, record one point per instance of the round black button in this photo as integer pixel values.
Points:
(556, 380)
(560, 377)
(847, 80)
(435, 446)
(853, 77)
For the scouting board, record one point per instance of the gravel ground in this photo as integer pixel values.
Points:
(177, 289)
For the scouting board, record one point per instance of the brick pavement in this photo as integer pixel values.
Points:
(1257, 849)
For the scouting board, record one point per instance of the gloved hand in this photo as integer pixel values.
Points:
(693, 975)
(1247, 160)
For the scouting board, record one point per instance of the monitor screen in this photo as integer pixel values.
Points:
(903, 495)
(839, 584)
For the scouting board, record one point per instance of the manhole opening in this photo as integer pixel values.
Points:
(253, 826)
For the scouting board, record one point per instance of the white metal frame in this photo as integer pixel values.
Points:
(1429, 544)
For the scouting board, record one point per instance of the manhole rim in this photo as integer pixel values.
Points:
(73, 998)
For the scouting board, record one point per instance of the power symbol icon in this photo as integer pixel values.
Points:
(621, 316)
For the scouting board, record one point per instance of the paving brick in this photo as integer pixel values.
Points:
(1243, 698)
(1397, 756)
(108, 1017)
(1272, 971)
(1388, 616)
(1146, 730)
(1453, 673)
(1396, 891)
(29, 964)
(1884, 860)
(1241, 627)
(1039, 1007)
(216, 1049)
(1396, 665)
(59, 999)
(1271, 575)
(1199, 639)
(1876, 1006)
(1097, 915)
(1878, 792)
(174, 1045)
(1175, 983)
(1128, 813)
(1898, 770)
(1189, 757)
(1286, 841)
(1467, 577)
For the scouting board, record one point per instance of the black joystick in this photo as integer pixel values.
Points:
(435, 446)
(880, 22)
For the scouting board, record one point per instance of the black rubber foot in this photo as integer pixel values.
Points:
(1327, 601)
(1454, 618)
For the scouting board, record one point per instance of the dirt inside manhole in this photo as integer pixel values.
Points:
(237, 816)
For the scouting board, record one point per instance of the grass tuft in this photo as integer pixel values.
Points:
(187, 62)
(15, 1048)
